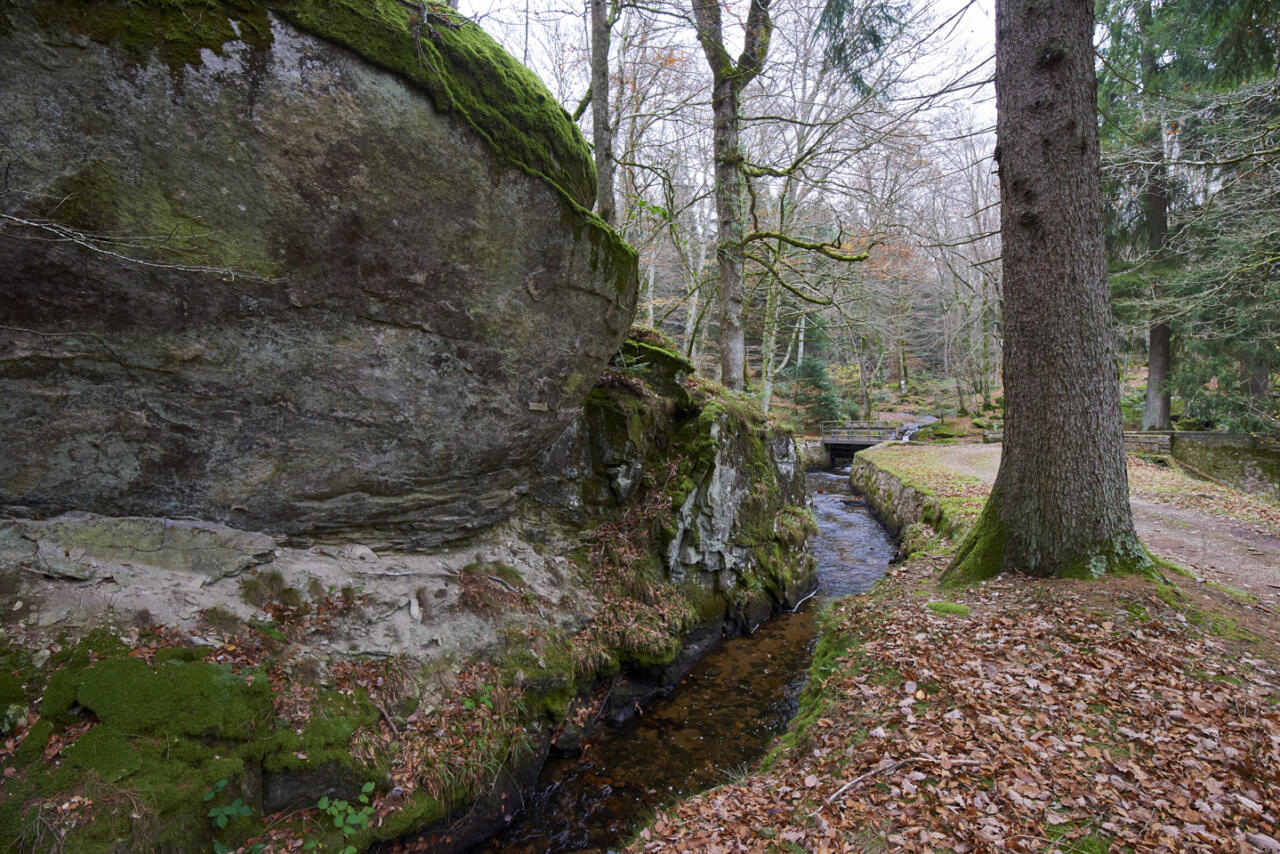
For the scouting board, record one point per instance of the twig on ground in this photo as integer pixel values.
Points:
(880, 769)
(386, 716)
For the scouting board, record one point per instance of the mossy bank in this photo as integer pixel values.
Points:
(919, 499)
(668, 514)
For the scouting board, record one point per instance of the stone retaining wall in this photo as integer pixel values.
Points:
(898, 503)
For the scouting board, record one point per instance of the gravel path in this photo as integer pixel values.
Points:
(1217, 548)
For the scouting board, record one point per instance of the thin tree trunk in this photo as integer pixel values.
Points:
(728, 79)
(1155, 413)
(694, 316)
(791, 346)
(1060, 502)
(690, 325)
(769, 342)
(601, 130)
(800, 351)
(1258, 384)
(864, 387)
(728, 177)
(648, 296)
(902, 365)
(1155, 204)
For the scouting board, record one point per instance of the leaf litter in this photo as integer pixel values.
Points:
(1056, 716)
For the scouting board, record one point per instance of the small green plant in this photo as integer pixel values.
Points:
(484, 698)
(220, 816)
(949, 608)
(346, 817)
(268, 628)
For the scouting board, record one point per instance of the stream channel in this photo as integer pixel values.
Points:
(720, 718)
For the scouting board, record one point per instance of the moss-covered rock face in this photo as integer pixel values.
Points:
(671, 513)
(318, 268)
(733, 528)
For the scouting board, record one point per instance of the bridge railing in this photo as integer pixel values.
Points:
(858, 432)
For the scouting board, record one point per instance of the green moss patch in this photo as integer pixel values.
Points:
(191, 699)
(466, 73)
(952, 609)
(981, 555)
(460, 67)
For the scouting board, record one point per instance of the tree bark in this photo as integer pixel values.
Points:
(1258, 379)
(601, 130)
(800, 350)
(1060, 502)
(1155, 413)
(727, 81)
(728, 176)
(1155, 204)
(769, 342)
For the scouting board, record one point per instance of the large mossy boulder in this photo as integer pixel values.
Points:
(313, 268)
(732, 524)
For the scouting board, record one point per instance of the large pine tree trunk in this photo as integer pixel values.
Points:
(1060, 503)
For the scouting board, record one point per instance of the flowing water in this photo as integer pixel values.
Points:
(718, 720)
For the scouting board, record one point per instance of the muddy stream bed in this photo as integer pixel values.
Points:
(719, 719)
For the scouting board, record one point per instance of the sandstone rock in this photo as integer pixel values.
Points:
(70, 547)
(325, 285)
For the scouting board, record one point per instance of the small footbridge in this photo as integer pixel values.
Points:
(843, 439)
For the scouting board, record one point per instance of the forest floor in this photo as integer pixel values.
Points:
(1131, 714)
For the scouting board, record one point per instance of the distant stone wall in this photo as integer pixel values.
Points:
(1245, 462)
(1147, 443)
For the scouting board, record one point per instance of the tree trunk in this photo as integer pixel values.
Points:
(1155, 204)
(648, 295)
(800, 350)
(769, 342)
(1155, 414)
(1060, 503)
(694, 318)
(733, 345)
(864, 386)
(601, 130)
(1258, 380)
(902, 365)
(727, 80)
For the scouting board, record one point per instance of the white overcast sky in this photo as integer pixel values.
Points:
(973, 36)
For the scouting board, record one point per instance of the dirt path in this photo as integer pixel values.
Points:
(1242, 553)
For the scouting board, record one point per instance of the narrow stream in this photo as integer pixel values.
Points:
(719, 719)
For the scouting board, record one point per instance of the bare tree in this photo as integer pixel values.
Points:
(727, 81)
